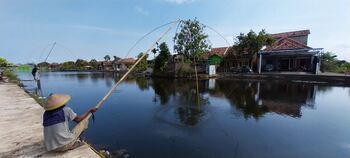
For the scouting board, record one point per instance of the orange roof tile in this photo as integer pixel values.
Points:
(286, 43)
(291, 34)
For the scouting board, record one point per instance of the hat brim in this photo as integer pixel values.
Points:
(57, 105)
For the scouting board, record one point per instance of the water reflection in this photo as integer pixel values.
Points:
(256, 99)
(252, 99)
(188, 104)
(247, 99)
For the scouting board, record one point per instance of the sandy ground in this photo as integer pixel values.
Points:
(21, 130)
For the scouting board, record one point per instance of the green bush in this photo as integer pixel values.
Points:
(10, 75)
(344, 68)
(184, 69)
(3, 62)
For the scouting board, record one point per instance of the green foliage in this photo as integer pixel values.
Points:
(330, 63)
(183, 69)
(107, 58)
(142, 65)
(161, 61)
(44, 65)
(10, 75)
(191, 41)
(251, 43)
(93, 63)
(80, 64)
(68, 65)
(344, 68)
(3, 62)
(23, 67)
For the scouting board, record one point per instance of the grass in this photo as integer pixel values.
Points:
(38, 99)
(11, 76)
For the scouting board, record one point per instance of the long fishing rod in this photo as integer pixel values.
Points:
(53, 46)
(84, 123)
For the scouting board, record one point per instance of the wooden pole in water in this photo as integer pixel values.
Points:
(197, 87)
(83, 124)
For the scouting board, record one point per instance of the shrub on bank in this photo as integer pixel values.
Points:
(183, 70)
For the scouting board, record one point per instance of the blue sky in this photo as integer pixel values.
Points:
(91, 29)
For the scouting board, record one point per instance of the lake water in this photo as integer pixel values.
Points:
(161, 118)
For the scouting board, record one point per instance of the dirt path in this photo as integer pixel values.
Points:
(21, 131)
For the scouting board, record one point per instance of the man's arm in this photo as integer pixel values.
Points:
(78, 118)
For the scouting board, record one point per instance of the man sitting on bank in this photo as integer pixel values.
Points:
(57, 135)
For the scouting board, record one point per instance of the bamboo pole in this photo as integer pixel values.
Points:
(197, 86)
(84, 123)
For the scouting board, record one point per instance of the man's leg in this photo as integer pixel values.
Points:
(77, 130)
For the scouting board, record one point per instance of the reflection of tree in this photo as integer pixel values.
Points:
(96, 76)
(82, 76)
(242, 96)
(163, 88)
(189, 115)
(142, 83)
(190, 111)
(184, 94)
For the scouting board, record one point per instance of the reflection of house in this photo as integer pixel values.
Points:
(290, 53)
(124, 64)
(255, 98)
(286, 98)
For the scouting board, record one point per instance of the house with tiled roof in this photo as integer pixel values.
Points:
(124, 64)
(230, 58)
(290, 52)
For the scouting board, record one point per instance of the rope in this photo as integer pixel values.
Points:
(144, 36)
(83, 123)
(69, 50)
(228, 43)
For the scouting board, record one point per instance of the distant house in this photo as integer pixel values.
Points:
(124, 64)
(55, 66)
(221, 57)
(106, 66)
(290, 52)
(216, 55)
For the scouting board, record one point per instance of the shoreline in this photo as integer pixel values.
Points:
(324, 78)
(22, 117)
(328, 79)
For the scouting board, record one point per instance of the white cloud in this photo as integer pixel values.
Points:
(141, 10)
(90, 27)
(179, 1)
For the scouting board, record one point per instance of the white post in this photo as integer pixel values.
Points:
(259, 69)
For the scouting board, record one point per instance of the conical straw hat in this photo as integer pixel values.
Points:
(55, 101)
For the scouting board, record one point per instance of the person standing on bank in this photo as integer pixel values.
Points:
(35, 72)
(57, 135)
